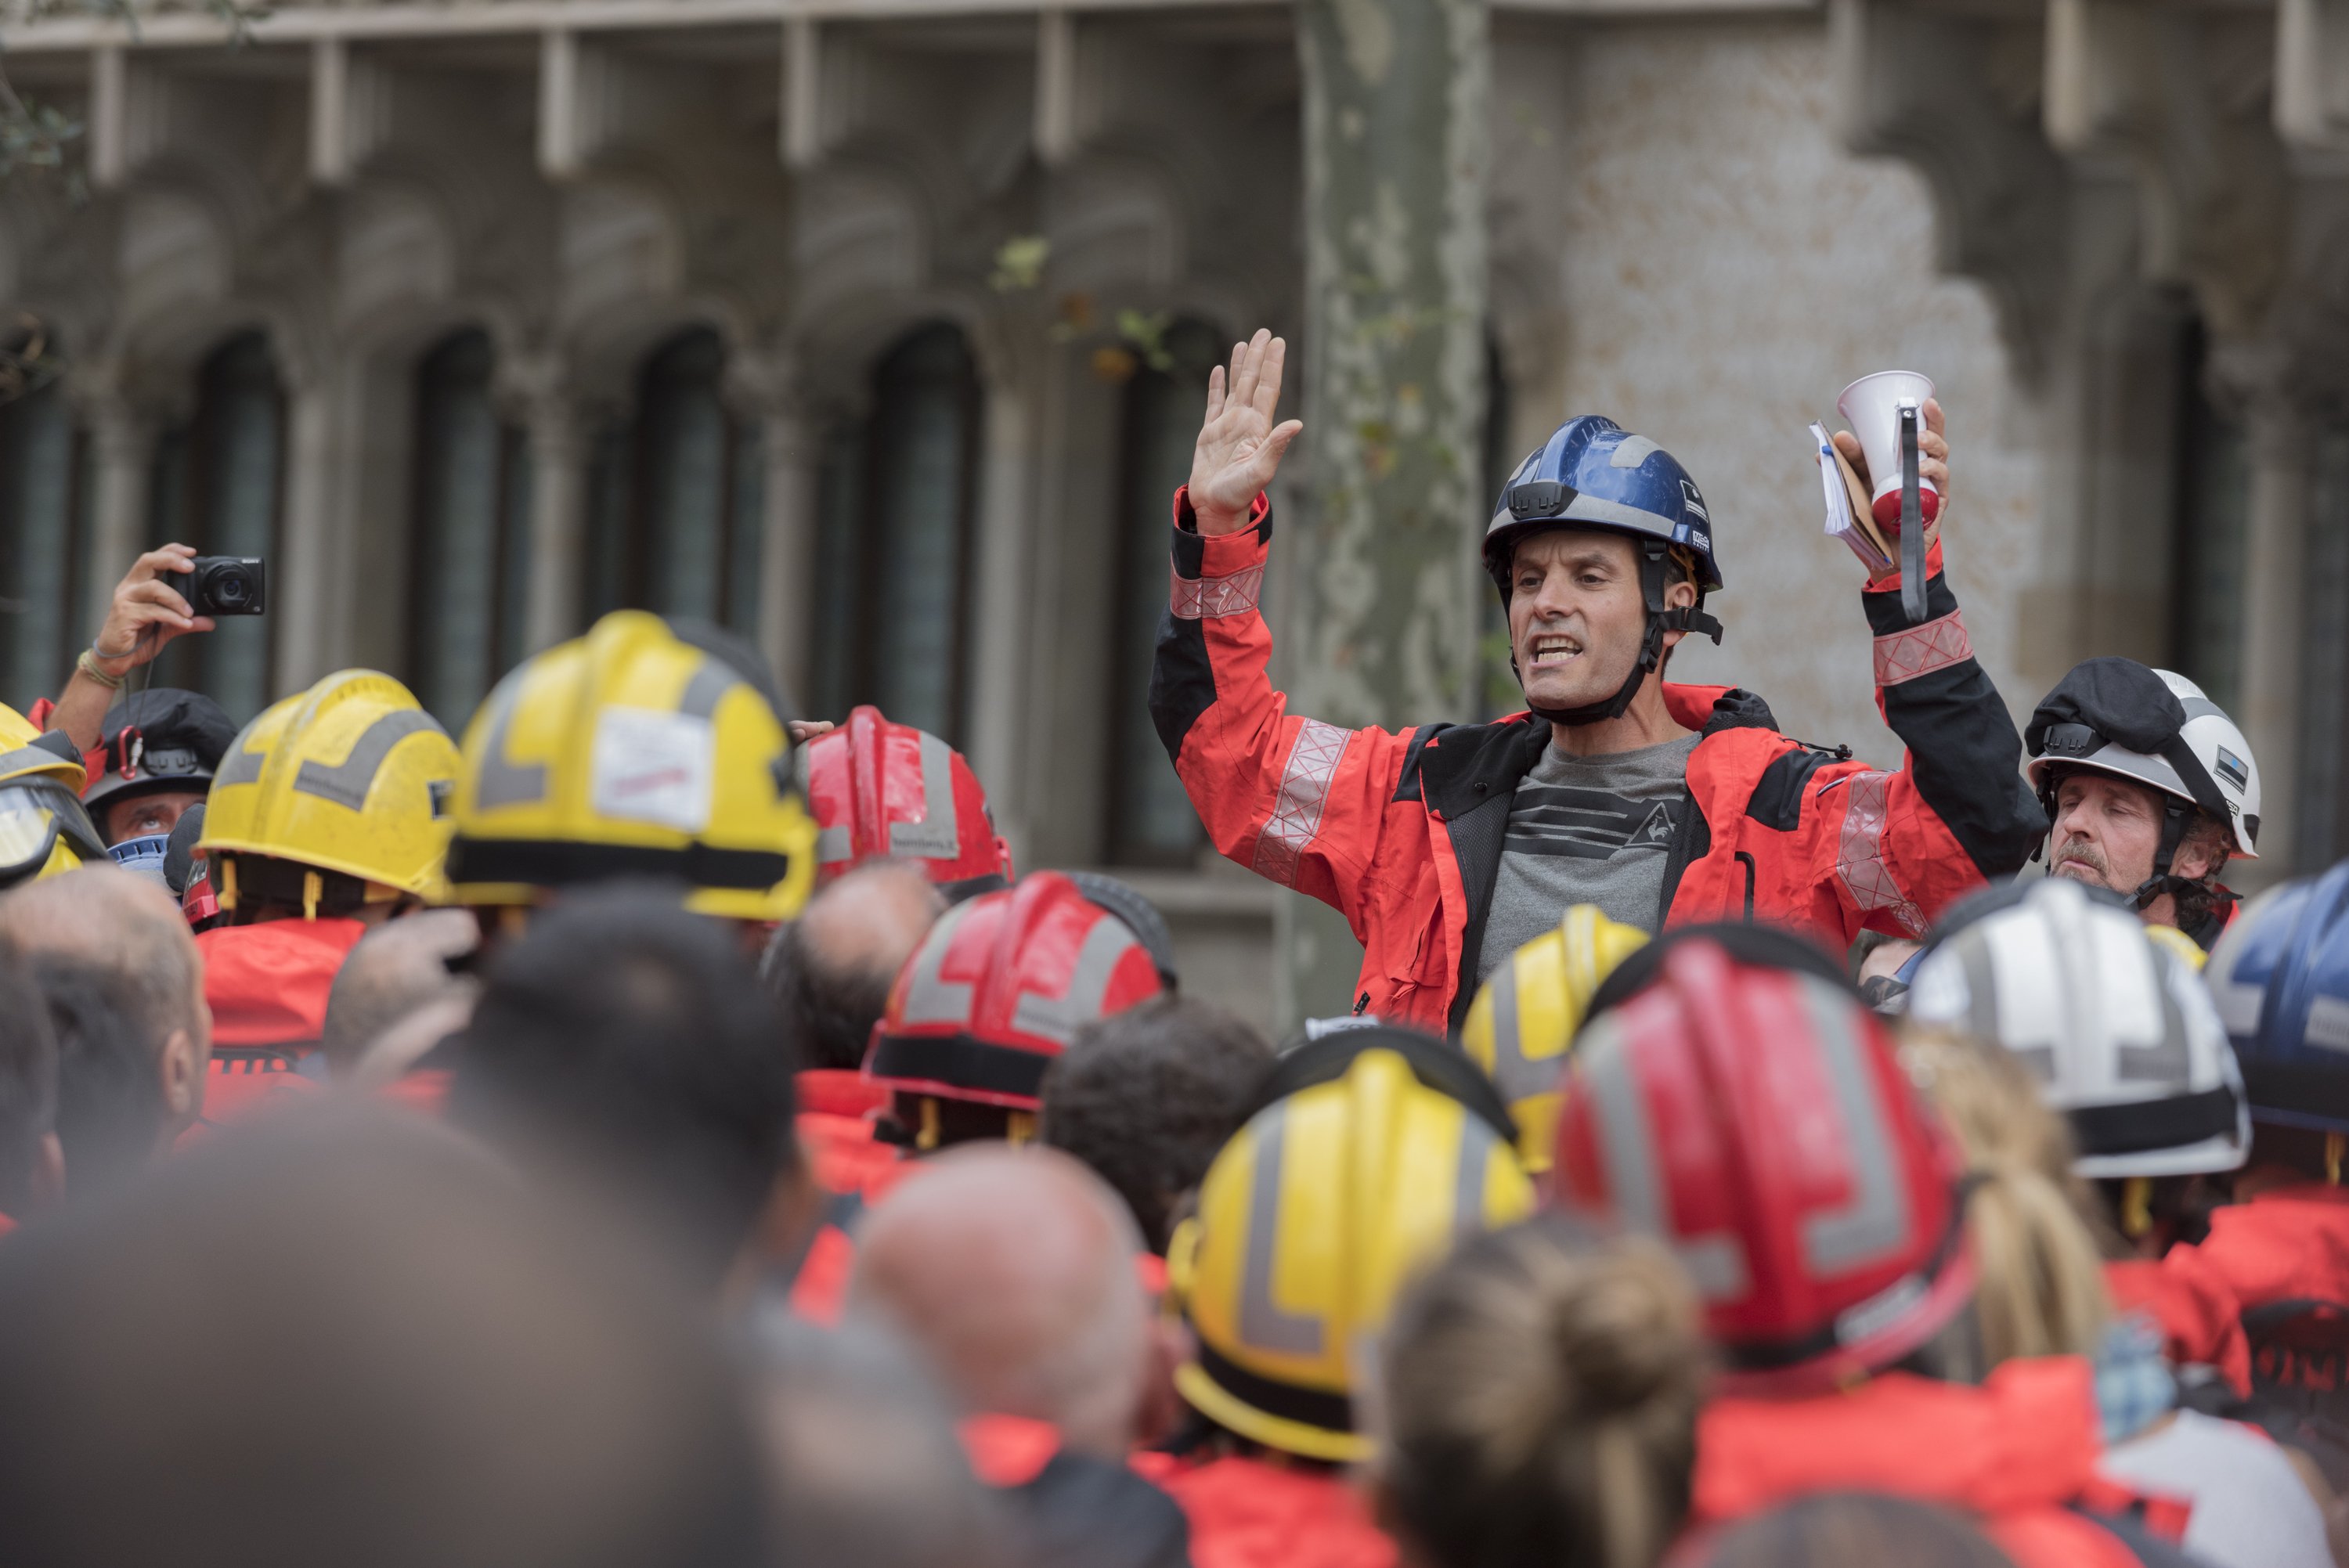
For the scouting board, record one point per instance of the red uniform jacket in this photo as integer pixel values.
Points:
(1248, 1513)
(1402, 833)
(2197, 1313)
(836, 1127)
(267, 987)
(2019, 1454)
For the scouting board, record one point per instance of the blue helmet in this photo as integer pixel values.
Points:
(1593, 473)
(2281, 977)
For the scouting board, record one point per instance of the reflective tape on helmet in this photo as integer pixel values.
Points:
(1059, 1018)
(937, 835)
(347, 782)
(1264, 1325)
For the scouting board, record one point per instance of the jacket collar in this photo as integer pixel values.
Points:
(1464, 765)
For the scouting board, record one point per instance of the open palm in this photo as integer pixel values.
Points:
(1239, 446)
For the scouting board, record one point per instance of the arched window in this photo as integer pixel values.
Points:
(1151, 821)
(217, 484)
(677, 502)
(471, 532)
(894, 553)
(44, 539)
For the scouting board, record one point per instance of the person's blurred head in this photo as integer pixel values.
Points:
(831, 968)
(126, 927)
(395, 969)
(354, 1339)
(2039, 1289)
(1540, 1393)
(1013, 1271)
(625, 1045)
(1146, 1097)
(110, 1118)
(32, 1161)
(865, 1468)
(1853, 1530)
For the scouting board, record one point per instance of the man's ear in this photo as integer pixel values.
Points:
(181, 1066)
(2203, 854)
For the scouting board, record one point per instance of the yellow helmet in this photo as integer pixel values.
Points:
(643, 749)
(352, 776)
(1383, 1150)
(1526, 1012)
(2177, 942)
(44, 829)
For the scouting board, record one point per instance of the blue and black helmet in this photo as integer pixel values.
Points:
(1593, 473)
(2281, 977)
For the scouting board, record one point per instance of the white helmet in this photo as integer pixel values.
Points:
(2209, 765)
(2119, 1031)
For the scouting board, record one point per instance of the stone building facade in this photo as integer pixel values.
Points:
(875, 328)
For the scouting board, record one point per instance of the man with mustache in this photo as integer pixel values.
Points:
(1449, 846)
(2151, 788)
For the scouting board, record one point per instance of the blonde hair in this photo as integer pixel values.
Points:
(1540, 1396)
(2042, 1287)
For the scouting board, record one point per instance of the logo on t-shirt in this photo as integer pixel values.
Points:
(1588, 824)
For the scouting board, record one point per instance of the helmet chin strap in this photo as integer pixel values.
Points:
(1679, 618)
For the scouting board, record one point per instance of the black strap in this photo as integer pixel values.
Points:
(959, 1061)
(1329, 1412)
(1912, 522)
(554, 862)
(2135, 1128)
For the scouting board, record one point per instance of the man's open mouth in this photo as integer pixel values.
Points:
(1552, 651)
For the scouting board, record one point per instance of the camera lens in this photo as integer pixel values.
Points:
(232, 588)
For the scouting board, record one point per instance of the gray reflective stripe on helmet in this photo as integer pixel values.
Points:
(1615, 514)
(2168, 1060)
(239, 766)
(712, 681)
(2201, 707)
(1515, 1076)
(1476, 1142)
(1875, 1222)
(834, 843)
(935, 836)
(1981, 1009)
(1715, 1263)
(27, 759)
(1630, 452)
(1263, 1324)
(347, 782)
(1059, 1017)
(504, 783)
(930, 998)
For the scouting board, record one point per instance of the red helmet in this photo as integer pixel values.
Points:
(1756, 1120)
(998, 988)
(882, 790)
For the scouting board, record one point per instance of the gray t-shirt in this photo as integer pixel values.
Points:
(1586, 829)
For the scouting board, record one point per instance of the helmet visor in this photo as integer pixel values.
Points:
(37, 812)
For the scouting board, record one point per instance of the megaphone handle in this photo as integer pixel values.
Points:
(1912, 524)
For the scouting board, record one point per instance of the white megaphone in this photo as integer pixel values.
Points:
(1872, 406)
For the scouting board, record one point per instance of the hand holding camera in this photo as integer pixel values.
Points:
(148, 611)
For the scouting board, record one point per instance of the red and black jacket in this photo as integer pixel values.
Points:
(1401, 831)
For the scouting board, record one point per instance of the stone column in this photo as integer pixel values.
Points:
(1396, 104)
(995, 709)
(792, 442)
(2268, 702)
(558, 517)
(305, 591)
(124, 440)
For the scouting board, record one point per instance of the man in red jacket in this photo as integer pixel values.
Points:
(1660, 803)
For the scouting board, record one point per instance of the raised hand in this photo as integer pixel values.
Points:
(1933, 462)
(1239, 446)
(147, 612)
